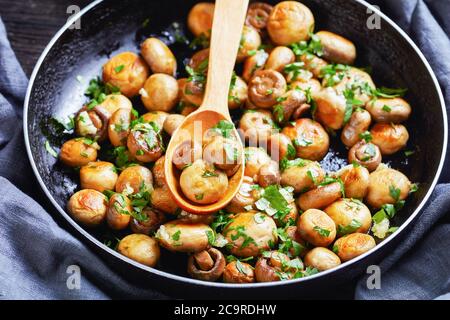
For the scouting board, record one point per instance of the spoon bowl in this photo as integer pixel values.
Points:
(229, 17)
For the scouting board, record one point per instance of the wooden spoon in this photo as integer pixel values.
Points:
(229, 17)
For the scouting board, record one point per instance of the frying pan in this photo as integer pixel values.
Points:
(74, 56)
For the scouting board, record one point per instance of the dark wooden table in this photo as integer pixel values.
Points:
(32, 23)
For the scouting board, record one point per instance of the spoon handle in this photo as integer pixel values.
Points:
(229, 17)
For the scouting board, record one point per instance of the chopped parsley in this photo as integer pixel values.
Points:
(321, 231)
(224, 128)
(350, 228)
(50, 150)
(118, 69)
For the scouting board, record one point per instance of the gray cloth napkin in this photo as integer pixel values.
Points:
(36, 253)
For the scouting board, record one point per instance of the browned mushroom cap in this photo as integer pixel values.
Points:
(300, 111)
(320, 197)
(92, 123)
(186, 153)
(238, 272)
(207, 265)
(390, 138)
(253, 64)
(289, 22)
(200, 19)
(280, 146)
(289, 103)
(309, 137)
(269, 174)
(153, 219)
(266, 87)
(257, 15)
(365, 154)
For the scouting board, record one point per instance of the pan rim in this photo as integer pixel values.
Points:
(171, 276)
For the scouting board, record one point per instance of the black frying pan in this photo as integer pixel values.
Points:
(108, 27)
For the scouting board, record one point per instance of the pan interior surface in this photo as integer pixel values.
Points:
(110, 27)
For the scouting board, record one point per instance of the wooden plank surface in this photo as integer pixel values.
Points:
(31, 24)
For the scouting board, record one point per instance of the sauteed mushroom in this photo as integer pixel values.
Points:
(258, 14)
(134, 179)
(256, 125)
(250, 41)
(78, 152)
(238, 272)
(253, 64)
(350, 216)
(207, 265)
(183, 237)
(200, 19)
(158, 56)
(290, 22)
(394, 110)
(266, 87)
(322, 259)
(153, 219)
(140, 248)
(387, 186)
(316, 227)
(119, 211)
(302, 175)
(98, 175)
(358, 124)
(127, 71)
(279, 58)
(353, 245)
(310, 139)
(336, 48)
(320, 197)
(249, 233)
(202, 183)
(160, 92)
(365, 154)
(355, 179)
(390, 138)
(88, 207)
(119, 127)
